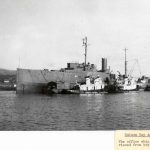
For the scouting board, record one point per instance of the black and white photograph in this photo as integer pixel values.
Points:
(74, 65)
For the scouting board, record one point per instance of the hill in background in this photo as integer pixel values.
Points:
(7, 72)
(7, 75)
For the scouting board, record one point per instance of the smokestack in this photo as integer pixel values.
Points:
(104, 64)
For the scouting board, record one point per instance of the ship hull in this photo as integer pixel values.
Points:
(116, 89)
(36, 81)
(27, 88)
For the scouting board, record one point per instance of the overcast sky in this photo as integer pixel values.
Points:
(48, 33)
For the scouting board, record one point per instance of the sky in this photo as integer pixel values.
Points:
(38, 34)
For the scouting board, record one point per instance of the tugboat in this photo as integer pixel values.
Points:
(128, 84)
(92, 85)
(95, 85)
(123, 83)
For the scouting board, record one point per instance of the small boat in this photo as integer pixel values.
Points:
(92, 85)
(123, 83)
(128, 84)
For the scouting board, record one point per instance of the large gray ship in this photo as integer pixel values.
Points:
(38, 81)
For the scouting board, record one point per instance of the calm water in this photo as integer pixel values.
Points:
(75, 112)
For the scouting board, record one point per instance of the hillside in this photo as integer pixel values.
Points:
(7, 72)
(7, 75)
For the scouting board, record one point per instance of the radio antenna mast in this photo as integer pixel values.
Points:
(19, 62)
(125, 50)
(85, 54)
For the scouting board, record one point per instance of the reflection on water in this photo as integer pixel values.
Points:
(74, 112)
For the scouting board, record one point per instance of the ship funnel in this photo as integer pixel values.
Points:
(104, 64)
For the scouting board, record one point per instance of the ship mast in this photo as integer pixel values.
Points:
(125, 50)
(85, 54)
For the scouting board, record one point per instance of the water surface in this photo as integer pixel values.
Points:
(75, 112)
